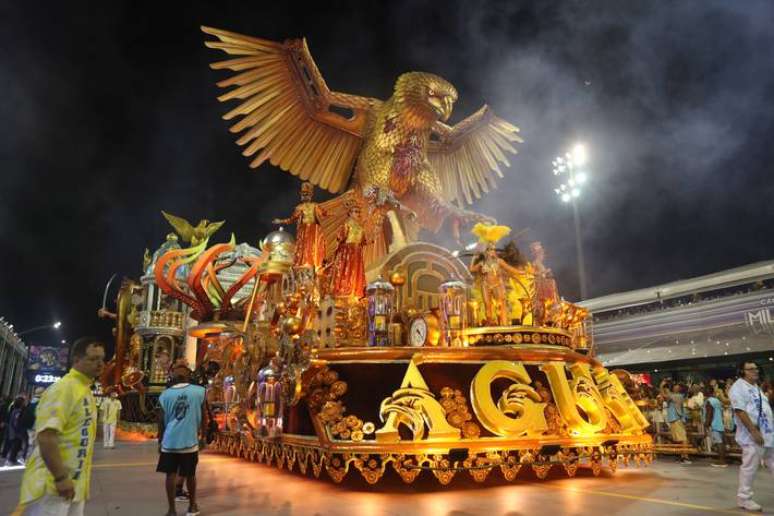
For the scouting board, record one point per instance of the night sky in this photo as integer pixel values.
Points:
(109, 116)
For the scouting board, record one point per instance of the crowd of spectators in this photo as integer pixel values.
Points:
(687, 300)
(685, 403)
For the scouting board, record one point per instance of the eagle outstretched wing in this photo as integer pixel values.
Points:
(212, 228)
(466, 157)
(181, 226)
(287, 111)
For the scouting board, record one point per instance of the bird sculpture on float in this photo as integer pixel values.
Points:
(400, 147)
(190, 233)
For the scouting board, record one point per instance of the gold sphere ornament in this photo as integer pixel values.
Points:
(471, 430)
(398, 278)
(291, 325)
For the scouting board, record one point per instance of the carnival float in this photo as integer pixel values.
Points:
(358, 344)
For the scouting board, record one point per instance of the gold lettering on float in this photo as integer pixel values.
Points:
(414, 406)
(580, 392)
(519, 410)
(619, 402)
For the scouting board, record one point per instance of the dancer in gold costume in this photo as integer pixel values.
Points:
(520, 285)
(310, 244)
(490, 270)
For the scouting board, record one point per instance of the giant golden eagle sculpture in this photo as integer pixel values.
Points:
(400, 148)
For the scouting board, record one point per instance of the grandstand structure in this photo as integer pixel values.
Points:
(704, 323)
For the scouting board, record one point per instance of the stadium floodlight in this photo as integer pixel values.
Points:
(56, 325)
(573, 175)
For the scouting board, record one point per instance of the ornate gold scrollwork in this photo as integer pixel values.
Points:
(518, 412)
(619, 402)
(580, 392)
(415, 406)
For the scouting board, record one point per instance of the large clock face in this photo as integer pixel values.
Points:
(418, 332)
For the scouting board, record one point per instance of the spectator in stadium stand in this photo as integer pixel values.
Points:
(754, 431)
(697, 397)
(713, 421)
(676, 416)
(695, 404)
(656, 411)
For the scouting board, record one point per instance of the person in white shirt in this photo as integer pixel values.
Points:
(754, 431)
(111, 410)
(696, 401)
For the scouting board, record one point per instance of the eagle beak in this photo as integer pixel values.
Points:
(448, 105)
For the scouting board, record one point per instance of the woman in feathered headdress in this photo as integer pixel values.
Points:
(489, 270)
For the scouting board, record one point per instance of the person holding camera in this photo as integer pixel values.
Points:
(754, 430)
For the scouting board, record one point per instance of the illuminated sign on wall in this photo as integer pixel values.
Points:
(760, 321)
(47, 357)
(46, 379)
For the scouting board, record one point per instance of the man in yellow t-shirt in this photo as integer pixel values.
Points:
(110, 409)
(56, 480)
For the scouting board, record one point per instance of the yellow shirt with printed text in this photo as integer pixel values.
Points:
(68, 407)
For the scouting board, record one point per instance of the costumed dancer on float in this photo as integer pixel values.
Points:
(520, 285)
(547, 299)
(489, 269)
(347, 270)
(310, 244)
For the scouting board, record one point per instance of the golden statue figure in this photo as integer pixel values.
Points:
(310, 244)
(547, 302)
(347, 270)
(192, 234)
(288, 116)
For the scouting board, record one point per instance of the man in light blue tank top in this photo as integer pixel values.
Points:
(181, 419)
(713, 422)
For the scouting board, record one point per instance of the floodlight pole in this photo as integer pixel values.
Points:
(579, 250)
(570, 164)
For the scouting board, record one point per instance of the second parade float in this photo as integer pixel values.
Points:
(357, 344)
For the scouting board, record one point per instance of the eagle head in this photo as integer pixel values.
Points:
(426, 94)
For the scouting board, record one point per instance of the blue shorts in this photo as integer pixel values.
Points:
(717, 437)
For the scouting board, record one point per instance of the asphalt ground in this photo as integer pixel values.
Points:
(124, 482)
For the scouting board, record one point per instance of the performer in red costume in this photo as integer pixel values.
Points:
(347, 272)
(310, 244)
